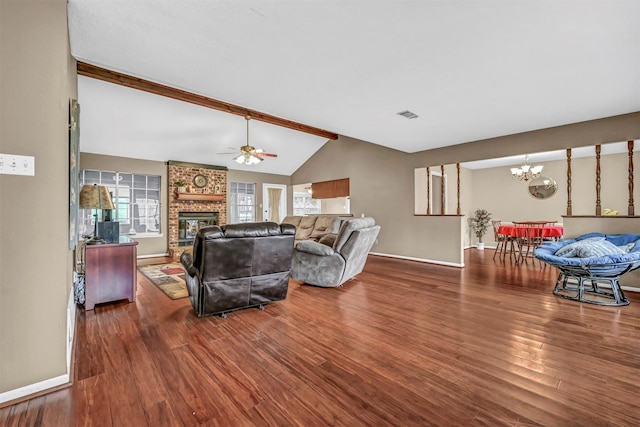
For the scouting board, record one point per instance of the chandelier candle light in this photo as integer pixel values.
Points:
(526, 172)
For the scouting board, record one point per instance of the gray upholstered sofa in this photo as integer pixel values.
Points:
(336, 258)
(238, 266)
(313, 227)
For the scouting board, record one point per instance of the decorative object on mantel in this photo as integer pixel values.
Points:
(95, 197)
(480, 223)
(181, 184)
(200, 181)
(526, 172)
(217, 188)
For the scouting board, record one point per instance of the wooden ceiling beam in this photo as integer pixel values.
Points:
(115, 77)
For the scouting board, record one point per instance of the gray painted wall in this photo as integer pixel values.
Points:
(37, 77)
(381, 186)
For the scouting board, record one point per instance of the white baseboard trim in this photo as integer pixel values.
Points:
(151, 256)
(485, 246)
(428, 261)
(31, 389)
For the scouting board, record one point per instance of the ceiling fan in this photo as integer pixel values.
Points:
(249, 155)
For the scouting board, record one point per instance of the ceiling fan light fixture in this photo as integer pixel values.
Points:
(250, 155)
(247, 159)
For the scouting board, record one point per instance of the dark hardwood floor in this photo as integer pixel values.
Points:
(403, 344)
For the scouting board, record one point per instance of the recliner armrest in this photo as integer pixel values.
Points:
(185, 259)
(315, 248)
(187, 262)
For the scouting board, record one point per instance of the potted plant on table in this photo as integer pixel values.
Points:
(480, 222)
(182, 185)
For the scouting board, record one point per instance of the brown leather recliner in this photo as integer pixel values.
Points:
(238, 266)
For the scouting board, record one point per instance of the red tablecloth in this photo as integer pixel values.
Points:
(547, 230)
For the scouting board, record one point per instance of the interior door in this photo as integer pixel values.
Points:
(274, 202)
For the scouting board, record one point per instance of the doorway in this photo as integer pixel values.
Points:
(274, 202)
(436, 195)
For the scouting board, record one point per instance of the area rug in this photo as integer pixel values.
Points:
(169, 278)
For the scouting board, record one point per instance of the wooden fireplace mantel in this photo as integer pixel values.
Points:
(200, 197)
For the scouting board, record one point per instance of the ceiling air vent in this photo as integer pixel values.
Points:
(408, 114)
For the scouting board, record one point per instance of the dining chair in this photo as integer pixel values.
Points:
(499, 238)
(529, 235)
(502, 241)
(550, 238)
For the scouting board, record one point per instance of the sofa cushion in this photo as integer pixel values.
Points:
(293, 220)
(591, 247)
(598, 248)
(328, 239)
(324, 225)
(571, 250)
(305, 228)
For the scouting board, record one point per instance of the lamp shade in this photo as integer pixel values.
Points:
(95, 197)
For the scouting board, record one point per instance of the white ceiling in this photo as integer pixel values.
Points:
(469, 69)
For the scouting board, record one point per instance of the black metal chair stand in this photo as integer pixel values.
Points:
(585, 283)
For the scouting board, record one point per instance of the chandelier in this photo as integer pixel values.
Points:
(526, 172)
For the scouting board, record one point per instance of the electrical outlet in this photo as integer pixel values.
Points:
(13, 164)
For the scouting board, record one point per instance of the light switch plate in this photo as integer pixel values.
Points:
(14, 164)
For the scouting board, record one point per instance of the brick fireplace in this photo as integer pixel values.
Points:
(210, 199)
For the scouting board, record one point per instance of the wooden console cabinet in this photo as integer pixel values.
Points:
(110, 272)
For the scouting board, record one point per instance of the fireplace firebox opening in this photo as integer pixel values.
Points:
(190, 222)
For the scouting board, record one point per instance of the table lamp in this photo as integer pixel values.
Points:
(95, 197)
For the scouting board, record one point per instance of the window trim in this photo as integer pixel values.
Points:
(233, 207)
(125, 199)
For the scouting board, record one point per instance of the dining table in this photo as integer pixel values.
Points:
(524, 237)
(549, 230)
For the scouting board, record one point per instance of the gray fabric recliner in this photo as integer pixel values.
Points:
(335, 258)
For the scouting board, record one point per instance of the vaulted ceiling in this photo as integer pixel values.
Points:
(469, 69)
